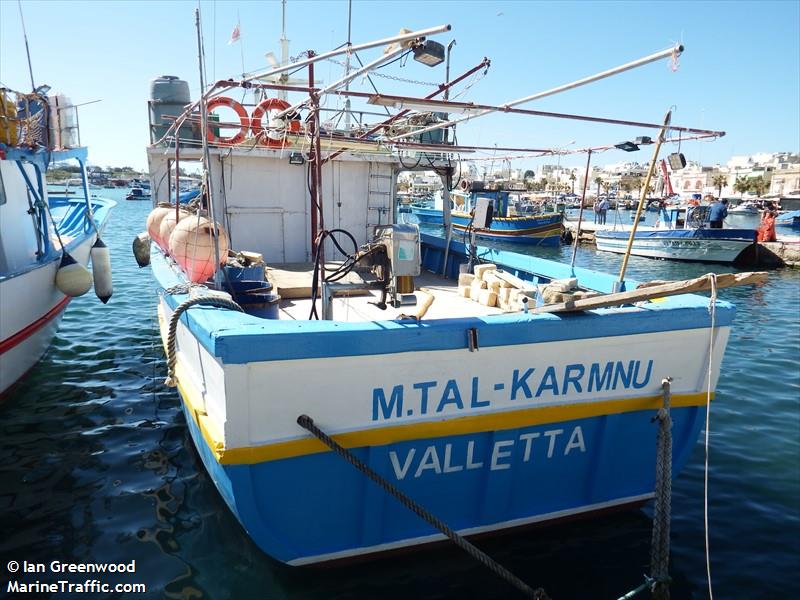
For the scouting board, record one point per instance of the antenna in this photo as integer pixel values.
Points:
(347, 65)
(27, 48)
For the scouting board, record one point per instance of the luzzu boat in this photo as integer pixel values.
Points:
(39, 230)
(430, 361)
(682, 234)
(533, 229)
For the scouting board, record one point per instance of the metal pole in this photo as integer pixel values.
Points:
(676, 50)
(206, 152)
(347, 64)
(661, 135)
(314, 159)
(346, 79)
(27, 48)
(484, 63)
(318, 57)
(580, 213)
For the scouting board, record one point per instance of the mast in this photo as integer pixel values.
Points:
(284, 46)
(347, 65)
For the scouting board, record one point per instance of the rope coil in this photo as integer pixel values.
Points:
(172, 357)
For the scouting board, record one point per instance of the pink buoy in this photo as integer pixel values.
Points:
(192, 247)
(154, 222)
(168, 223)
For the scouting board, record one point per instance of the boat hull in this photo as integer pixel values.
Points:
(711, 245)
(551, 417)
(538, 230)
(27, 328)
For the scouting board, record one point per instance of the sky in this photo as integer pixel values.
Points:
(740, 72)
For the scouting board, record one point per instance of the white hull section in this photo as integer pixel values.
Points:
(723, 251)
(30, 312)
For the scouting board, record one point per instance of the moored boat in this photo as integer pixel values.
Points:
(46, 238)
(682, 234)
(447, 368)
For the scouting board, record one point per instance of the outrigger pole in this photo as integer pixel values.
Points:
(674, 52)
(650, 171)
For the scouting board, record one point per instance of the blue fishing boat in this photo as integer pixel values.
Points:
(681, 234)
(789, 219)
(46, 238)
(477, 382)
(506, 225)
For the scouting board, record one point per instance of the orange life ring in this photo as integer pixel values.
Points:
(244, 119)
(260, 111)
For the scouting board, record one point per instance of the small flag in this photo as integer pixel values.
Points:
(235, 35)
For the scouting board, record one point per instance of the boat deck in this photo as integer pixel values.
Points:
(293, 283)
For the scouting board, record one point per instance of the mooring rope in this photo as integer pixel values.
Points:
(172, 358)
(659, 546)
(308, 424)
(712, 309)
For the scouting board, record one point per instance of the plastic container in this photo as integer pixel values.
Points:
(169, 95)
(262, 304)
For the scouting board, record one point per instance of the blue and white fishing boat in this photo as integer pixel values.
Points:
(439, 365)
(46, 238)
(681, 234)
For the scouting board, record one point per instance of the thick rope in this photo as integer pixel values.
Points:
(172, 357)
(659, 546)
(307, 423)
(712, 309)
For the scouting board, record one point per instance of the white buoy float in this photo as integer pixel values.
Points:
(101, 270)
(72, 279)
(192, 246)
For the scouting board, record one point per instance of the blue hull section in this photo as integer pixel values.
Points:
(318, 507)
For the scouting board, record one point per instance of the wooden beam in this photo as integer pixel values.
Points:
(655, 289)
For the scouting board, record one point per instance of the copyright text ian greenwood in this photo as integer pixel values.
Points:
(71, 578)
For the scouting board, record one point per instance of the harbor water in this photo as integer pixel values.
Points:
(96, 465)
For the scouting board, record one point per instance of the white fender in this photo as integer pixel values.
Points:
(72, 279)
(101, 271)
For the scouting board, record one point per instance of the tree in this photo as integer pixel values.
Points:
(572, 178)
(759, 186)
(719, 181)
(599, 182)
(529, 175)
(606, 187)
(742, 185)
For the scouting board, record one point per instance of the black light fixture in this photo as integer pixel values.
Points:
(627, 146)
(296, 158)
(429, 53)
(677, 161)
(643, 140)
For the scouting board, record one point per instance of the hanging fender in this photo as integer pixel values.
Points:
(244, 120)
(274, 139)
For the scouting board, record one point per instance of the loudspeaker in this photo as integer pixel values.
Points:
(676, 161)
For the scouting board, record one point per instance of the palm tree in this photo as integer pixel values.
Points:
(572, 178)
(719, 181)
(599, 182)
(742, 185)
(759, 185)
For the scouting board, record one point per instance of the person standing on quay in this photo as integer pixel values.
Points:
(717, 214)
(602, 209)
